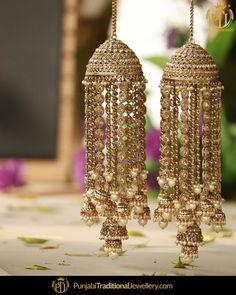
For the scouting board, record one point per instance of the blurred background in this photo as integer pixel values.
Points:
(44, 49)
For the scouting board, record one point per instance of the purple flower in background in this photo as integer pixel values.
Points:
(199, 2)
(176, 37)
(79, 168)
(152, 180)
(12, 174)
(171, 36)
(153, 145)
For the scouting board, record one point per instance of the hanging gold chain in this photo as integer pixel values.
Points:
(114, 18)
(191, 20)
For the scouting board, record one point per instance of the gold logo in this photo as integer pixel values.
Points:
(220, 17)
(61, 285)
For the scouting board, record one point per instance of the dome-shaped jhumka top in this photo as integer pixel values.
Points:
(114, 57)
(191, 63)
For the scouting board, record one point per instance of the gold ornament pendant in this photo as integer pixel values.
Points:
(115, 141)
(190, 166)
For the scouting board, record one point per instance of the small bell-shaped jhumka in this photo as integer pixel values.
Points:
(190, 166)
(115, 141)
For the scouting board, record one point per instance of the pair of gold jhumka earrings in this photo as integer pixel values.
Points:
(190, 168)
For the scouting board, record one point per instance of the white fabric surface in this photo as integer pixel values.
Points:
(57, 218)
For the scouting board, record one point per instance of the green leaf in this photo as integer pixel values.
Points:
(102, 248)
(32, 240)
(102, 254)
(79, 254)
(141, 245)
(157, 60)
(45, 209)
(37, 267)
(49, 247)
(220, 46)
(148, 124)
(178, 273)
(147, 92)
(106, 254)
(151, 166)
(208, 237)
(136, 234)
(199, 274)
(26, 196)
(171, 190)
(226, 233)
(153, 193)
(228, 141)
(179, 264)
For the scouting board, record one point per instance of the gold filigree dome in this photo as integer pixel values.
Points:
(114, 57)
(191, 63)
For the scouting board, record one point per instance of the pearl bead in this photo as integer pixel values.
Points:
(166, 215)
(100, 208)
(206, 219)
(161, 182)
(89, 193)
(197, 190)
(134, 173)
(94, 176)
(130, 193)
(114, 197)
(182, 228)
(89, 222)
(86, 199)
(217, 228)
(100, 145)
(171, 182)
(186, 260)
(139, 209)
(122, 221)
(142, 222)
(108, 177)
(113, 255)
(217, 205)
(192, 206)
(144, 176)
(163, 224)
(176, 205)
(206, 105)
(211, 187)
(199, 213)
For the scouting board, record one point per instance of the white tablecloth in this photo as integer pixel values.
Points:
(57, 219)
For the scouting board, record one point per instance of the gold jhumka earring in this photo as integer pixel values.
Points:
(190, 164)
(115, 141)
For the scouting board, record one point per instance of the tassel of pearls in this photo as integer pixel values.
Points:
(169, 154)
(115, 153)
(190, 187)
